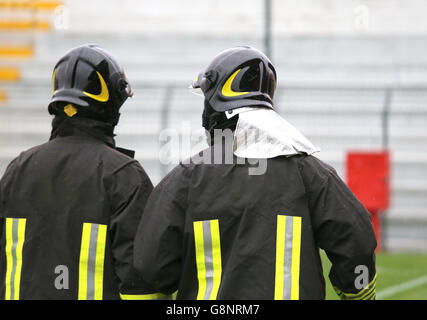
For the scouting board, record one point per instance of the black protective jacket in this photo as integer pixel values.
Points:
(69, 211)
(211, 231)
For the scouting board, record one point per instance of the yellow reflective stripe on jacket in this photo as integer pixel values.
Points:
(150, 296)
(280, 258)
(367, 293)
(84, 256)
(288, 253)
(208, 258)
(91, 264)
(200, 258)
(296, 254)
(99, 262)
(216, 255)
(15, 237)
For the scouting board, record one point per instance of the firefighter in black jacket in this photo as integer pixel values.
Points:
(221, 231)
(70, 208)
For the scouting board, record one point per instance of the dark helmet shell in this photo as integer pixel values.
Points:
(89, 78)
(238, 77)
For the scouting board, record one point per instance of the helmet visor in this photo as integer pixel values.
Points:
(196, 91)
(195, 86)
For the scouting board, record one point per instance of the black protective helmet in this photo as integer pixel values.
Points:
(87, 81)
(238, 77)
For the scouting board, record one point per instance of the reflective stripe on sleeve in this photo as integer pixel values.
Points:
(150, 296)
(367, 293)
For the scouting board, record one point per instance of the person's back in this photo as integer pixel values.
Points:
(250, 225)
(70, 207)
(63, 195)
(253, 236)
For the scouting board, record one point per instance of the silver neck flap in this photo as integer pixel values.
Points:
(261, 133)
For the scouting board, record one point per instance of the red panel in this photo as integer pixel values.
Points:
(368, 177)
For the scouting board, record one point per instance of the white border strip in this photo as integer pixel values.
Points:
(390, 291)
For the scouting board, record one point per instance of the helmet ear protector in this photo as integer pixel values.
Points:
(209, 79)
(203, 82)
(123, 89)
(123, 85)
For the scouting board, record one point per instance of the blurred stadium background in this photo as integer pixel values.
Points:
(352, 75)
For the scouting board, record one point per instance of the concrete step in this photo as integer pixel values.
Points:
(405, 232)
(407, 171)
(151, 166)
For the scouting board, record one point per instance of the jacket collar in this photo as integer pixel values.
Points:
(63, 126)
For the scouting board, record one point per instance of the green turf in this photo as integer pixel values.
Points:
(392, 269)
